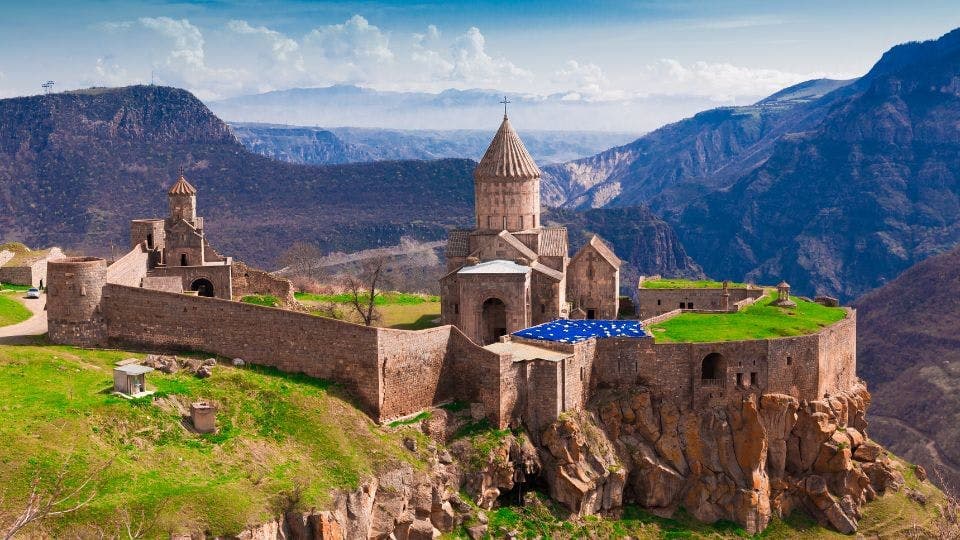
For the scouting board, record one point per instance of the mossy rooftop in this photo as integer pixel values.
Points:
(758, 321)
(679, 283)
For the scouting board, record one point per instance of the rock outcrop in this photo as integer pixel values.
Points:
(761, 456)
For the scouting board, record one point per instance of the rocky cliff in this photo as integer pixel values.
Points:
(767, 455)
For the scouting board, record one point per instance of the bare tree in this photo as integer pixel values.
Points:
(363, 289)
(57, 497)
(301, 259)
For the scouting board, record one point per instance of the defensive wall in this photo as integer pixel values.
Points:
(393, 373)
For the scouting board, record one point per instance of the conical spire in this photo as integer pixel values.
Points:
(182, 187)
(506, 157)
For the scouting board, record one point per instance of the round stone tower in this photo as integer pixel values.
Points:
(507, 184)
(75, 287)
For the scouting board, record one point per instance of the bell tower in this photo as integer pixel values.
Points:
(507, 183)
(183, 200)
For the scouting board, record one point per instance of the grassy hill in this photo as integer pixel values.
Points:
(277, 432)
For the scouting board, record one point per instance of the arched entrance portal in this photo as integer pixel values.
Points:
(711, 369)
(202, 286)
(493, 320)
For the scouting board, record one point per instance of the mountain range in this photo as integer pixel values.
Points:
(834, 186)
(453, 109)
(76, 167)
(299, 144)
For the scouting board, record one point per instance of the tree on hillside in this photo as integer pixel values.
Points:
(51, 496)
(363, 289)
(301, 259)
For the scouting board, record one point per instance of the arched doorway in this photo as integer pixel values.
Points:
(711, 369)
(493, 320)
(202, 286)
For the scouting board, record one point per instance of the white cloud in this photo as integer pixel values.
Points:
(355, 41)
(472, 64)
(718, 81)
(584, 81)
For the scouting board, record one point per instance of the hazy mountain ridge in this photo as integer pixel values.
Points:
(299, 144)
(454, 109)
(693, 156)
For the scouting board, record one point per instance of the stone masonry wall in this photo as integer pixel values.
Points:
(653, 302)
(130, 269)
(247, 281)
(838, 355)
(290, 341)
(412, 365)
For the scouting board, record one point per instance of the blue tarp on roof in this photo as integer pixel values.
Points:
(575, 331)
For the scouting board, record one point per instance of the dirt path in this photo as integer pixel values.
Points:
(25, 331)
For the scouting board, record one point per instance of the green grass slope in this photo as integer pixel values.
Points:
(11, 310)
(278, 432)
(758, 321)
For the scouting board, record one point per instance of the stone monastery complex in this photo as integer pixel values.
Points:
(529, 333)
(528, 329)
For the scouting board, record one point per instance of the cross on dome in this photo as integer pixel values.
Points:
(505, 101)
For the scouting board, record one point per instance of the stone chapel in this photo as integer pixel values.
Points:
(510, 272)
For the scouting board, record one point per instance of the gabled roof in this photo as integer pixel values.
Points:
(553, 242)
(495, 267)
(602, 249)
(458, 243)
(182, 187)
(506, 158)
(556, 275)
(515, 243)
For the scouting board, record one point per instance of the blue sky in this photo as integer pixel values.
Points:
(729, 52)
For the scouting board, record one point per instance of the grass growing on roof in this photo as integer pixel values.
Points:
(758, 321)
(12, 311)
(680, 283)
(277, 431)
(261, 300)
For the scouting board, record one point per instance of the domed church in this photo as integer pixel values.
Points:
(510, 272)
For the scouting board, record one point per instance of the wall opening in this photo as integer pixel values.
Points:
(494, 320)
(754, 381)
(591, 314)
(739, 379)
(150, 241)
(789, 360)
(711, 368)
(183, 259)
(203, 286)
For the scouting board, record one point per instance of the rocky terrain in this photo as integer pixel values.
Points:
(322, 146)
(909, 352)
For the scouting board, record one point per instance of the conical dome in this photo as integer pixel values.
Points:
(506, 157)
(182, 187)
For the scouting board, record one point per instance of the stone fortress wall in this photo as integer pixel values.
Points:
(394, 373)
(655, 302)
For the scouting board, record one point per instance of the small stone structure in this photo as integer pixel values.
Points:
(783, 296)
(27, 268)
(654, 302)
(130, 380)
(203, 416)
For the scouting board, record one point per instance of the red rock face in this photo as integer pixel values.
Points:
(744, 462)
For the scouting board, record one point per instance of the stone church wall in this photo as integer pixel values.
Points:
(217, 274)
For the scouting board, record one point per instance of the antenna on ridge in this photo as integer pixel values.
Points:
(505, 101)
(47, 86)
